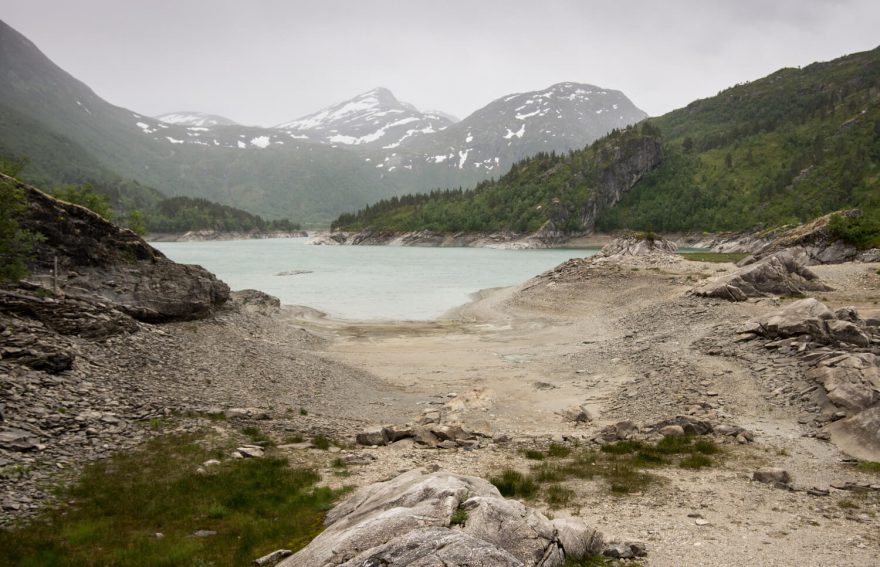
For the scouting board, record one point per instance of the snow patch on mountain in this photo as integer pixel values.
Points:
(187, 118)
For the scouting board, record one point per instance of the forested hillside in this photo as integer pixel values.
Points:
(556, 192)
(786, 148)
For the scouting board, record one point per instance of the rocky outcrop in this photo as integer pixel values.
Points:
(428, 238)
(440, 518)
(207, 235)
(779, 274)
(839, 350)
(814, 243)
(627, 163)
(640, 245)
(98, 261)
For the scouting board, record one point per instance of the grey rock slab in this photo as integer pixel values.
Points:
(772, 475)
(859, 435)
(779, 274)
(577, 538)
(435, 547)
(527, 534)
(372, 436)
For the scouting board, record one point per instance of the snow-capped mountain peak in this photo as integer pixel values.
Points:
(198, 119)
(375, 117)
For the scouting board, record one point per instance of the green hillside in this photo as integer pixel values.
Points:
(786, 148)
(556, 192)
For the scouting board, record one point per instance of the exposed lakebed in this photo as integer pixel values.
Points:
(366, 282)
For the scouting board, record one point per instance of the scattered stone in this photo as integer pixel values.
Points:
(372, 436)
(250, 452)
(772, 475)
(204, 533)
(627, 550)
(429, 417)
(671, 431)
(577, 414)
(272, 558)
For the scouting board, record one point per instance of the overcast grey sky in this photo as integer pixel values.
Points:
(268, 61)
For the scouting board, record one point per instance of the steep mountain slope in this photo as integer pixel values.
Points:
(562, 117)
(53, 112)
(198, 119)
(783, 149)
(786, 148)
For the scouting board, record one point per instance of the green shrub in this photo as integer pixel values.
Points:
(558, 451)
(514, 484)
(321, 442)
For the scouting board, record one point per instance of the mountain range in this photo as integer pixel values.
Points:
(781, 149)
(310, 169)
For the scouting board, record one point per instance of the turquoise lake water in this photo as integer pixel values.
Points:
(366, 282)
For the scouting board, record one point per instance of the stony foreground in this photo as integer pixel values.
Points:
(587, 354)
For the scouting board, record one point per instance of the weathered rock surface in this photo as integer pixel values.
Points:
(813, 243)
(408, 521)
(859, 435)
(839, 350)
(638, 246)
(638, 250)
(779, 274)
(772, 475)
(98, 261)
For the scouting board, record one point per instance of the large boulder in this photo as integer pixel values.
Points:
(650, 248)
(859, 435)
(803, 317)
(812, 317)
(848, 388)
(99, 261)
(779, 274)
(434, 547)
(408, 520)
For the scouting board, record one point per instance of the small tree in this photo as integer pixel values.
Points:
(137, 222)
(86, 196)
(15, 243)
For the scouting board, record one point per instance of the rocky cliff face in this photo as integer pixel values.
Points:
(621, 170)
(99, 261)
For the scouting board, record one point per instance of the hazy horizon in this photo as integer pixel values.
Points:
(269, 62)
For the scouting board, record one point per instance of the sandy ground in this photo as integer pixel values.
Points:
(630, 343)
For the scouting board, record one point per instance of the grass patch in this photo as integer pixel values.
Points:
(557, 495)
(533, 455)
(257, 436)
(558, 451)
(619, 465)
(591, 561)
(515, 484)
(254, 505)
(869, 466)
(714, 257)
(459, 517)
(321, 442)
(294, 439)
